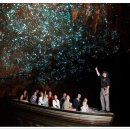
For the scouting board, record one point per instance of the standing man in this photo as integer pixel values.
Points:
(105, 86)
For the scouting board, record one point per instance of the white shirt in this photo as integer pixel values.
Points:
(85, 109)
(40, 101)
(56, 103)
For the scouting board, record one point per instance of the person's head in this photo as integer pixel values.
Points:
(79, 96)
(67, 97)
(105, 74)
(25, 92)
(50, 93)
(55, 96)
(84, 103)
(41, 94)
(46, 95)
(85, 100)
(64, 95)
(35, 93)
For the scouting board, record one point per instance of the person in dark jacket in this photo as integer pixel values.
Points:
(77, 102)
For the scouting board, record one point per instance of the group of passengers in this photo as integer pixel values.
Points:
(49, 100)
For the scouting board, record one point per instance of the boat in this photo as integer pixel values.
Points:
(27, 114)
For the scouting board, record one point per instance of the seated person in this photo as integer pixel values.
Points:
(71, 107)
(55, 102)
(67, 105)
(45, 100)
(50, 98)
(76, 102)
(38, 95)
(24, 96)
(33, 98)
(85, 100)
(37, 91)
(85, 107)
(44, 93)
(40, 100)
(63, 99)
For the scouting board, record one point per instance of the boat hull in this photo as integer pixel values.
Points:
(28, 114)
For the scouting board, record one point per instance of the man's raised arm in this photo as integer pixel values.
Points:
(97, 71)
